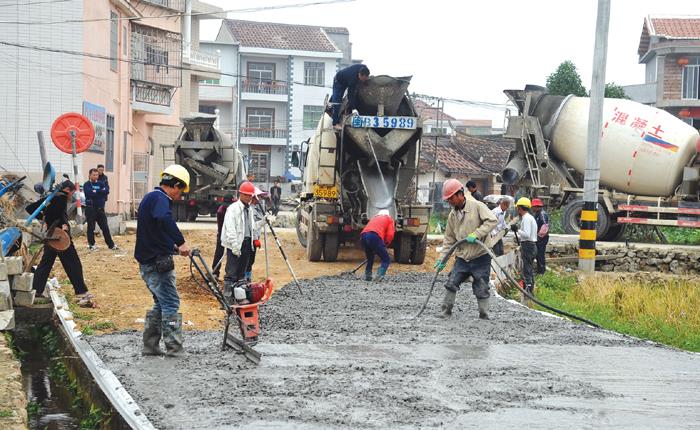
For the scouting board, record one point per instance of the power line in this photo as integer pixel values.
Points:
(33, 3)
(179, 14)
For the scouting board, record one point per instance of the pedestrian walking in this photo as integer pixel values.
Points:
(237, 237)
(527, 234)
(542, 219)
(157, 239)
(469, 219)
(276, 196)
(96, 193)
(375, 237)
(219, 252)
(500, 212)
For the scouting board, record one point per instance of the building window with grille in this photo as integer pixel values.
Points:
(259, 122)
(261, 72)
(691, 79)
(314, 73)
(259, 165)
(113, 41)
(109, 151)
(312, 114)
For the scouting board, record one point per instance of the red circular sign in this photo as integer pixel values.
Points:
(72, 122)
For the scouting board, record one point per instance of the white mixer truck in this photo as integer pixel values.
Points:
(649, 166)
(350, 175)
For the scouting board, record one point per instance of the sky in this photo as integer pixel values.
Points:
(473, 51)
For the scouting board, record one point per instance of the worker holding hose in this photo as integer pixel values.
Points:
(527, 234)
(471, 220)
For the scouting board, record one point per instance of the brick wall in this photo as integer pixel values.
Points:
(672, 78)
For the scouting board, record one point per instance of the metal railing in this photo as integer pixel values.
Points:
(262, 87)
(152, 94)
(178, 5)
(270, 133)
(201, 58)
(156, 56)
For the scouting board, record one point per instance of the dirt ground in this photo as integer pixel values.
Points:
(122, 297)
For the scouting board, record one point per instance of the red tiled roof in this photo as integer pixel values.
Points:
(676, 28)
(466, 155)
(490, 152)
(425, 111)
(280, 36)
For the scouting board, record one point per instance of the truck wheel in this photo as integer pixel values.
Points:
(300, 235)
(192, 214)
(418, 254)
(615, 232)
(571, 219)
(330, 247)
(403, 253)
(314, 245)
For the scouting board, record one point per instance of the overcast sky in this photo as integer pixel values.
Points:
(474, 50)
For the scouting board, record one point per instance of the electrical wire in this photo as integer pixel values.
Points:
(33, 3)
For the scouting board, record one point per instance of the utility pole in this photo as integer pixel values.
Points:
(589, 214)
(438, 122)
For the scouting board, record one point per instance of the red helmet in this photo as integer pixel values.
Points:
(537, 202)
(247, 188)
(450, 187)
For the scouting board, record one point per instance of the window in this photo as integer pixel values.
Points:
(691, 79)
(312, 114)
(124, 41)
(211, 110)
(158, 57)
(109, 152)
(260, 118)
(259, 165)
(261, 72)
(314, 73)
(126, 135)
(113, 41)
(211, 81)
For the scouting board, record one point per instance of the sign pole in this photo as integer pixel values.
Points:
(74, 156)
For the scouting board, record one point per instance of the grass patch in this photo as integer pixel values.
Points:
(660, 309)
(6, 413)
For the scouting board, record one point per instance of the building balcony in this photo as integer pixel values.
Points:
(264, 91)
(150, 98)
(263, 136)
(208, 65)
(215, 93)
(176, 5)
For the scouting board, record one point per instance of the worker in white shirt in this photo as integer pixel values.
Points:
(500, 211)
(527, 234)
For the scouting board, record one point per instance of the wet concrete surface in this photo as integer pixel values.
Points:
(347, 354)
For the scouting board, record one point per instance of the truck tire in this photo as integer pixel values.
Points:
(571, 219)
(330, 247)
(419, 249)
(615, 232)
(314, 245)
(301, 236)
(191, 214)
(402, 253)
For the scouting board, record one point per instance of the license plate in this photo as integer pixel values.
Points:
(325, 192)
(403, 122)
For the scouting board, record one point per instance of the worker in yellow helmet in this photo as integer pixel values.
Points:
(527, 234)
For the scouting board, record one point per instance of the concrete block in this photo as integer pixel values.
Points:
(24, 298)
(3, 271)
(5, 296)
(14, 265)
(22, 282)
(7, 320)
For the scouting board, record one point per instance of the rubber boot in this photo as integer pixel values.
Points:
(172, 335)
(447, 304)
(152, 332)
(368, 276)
(380, 273)
(483, 308)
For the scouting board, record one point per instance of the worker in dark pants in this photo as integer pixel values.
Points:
(237, 237)
(542, 219)
(96, 193)
(500, 212)
(375, 237)
(527, 234)
(258, 220)
(346, 79)
(276, 196)
(219, 253)
(470, 220)
(54, 215)
(157, 239)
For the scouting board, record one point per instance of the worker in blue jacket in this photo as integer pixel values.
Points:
(96, 193)
(347, 79)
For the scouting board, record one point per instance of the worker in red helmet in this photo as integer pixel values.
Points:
(237, 236)
(542, 219)
(471, 220)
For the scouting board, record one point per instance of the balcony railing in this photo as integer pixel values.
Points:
(200, 58)
(153, 94)
(262, 87)
(269, 133)
(156, 56)
(178, 5)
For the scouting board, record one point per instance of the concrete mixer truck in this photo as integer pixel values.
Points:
(649, 167)
(215, 166)
(370, 165)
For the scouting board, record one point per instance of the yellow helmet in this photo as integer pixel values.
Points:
(178, 172)
(524, 201)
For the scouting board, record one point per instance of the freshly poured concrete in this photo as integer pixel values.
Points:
(347, 354)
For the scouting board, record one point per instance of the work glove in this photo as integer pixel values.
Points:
(514, 227)
(471, 238)
(256, 243)
(439, 265)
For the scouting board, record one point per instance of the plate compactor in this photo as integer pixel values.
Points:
(242, 304)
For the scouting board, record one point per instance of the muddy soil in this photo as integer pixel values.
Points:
(347, 354)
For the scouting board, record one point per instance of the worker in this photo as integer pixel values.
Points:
(471, 186)
(237, 237)
(500, 212)
(157, 239)
(55, 215)
(542, 219)
(346, 79)
(276, 196)
(258, 220)
(470, 220)
(375, 237)
(96, 193)
(102, 177)
(219, 252)
(527, 234)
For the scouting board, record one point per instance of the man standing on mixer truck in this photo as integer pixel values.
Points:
(470, 220)
(346, 79)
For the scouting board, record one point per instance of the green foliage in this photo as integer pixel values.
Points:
(94, 419)
(6, 413)
(566, 80)
(85, 316)
(17, 353)
(87, 330)
(555, 225)
(32, 409)
(103, 325)
(682, 236)
(437, 223)
(614, 91)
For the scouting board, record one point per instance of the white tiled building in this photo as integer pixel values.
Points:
(275, 78)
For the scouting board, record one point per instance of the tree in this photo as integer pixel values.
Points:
(566, 80)
(614, 91)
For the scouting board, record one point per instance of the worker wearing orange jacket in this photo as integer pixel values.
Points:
(375, 237)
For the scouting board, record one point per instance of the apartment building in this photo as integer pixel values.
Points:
(275, 78)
